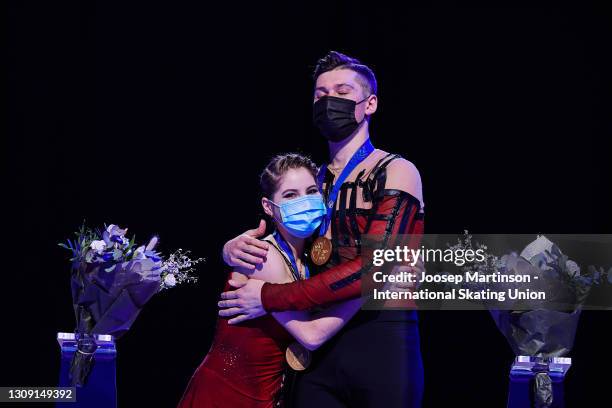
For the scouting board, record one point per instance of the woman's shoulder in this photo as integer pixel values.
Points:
(269, 238)
(273, 269)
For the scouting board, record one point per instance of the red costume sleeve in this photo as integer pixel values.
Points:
(395, 212)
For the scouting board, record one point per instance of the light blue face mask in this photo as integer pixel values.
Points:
(302, 216)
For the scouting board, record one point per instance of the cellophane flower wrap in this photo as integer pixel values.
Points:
(111, 280)
(547, 329)
(539, 328)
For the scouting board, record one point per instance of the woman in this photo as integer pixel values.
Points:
(246, 362)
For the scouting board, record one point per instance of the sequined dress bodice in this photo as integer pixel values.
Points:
(250, 354)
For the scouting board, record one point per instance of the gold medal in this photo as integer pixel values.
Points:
(321, 250)
(298, 356)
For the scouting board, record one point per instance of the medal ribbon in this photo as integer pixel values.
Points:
(364, 151)
(287, 250)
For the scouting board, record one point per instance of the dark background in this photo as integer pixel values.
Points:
(159, 117)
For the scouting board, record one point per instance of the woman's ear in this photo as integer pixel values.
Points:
(267, 207)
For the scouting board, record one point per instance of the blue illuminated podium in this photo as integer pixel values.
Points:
(538, 382)
(100, 389)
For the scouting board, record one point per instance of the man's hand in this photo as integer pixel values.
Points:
(244, 301)
(246, 250)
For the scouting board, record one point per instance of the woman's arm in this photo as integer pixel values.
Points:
(314, 329)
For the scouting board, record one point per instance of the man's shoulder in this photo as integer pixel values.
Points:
(402, 167)
(403, 175)
(395, 163)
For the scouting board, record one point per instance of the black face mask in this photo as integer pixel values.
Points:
(335, 117)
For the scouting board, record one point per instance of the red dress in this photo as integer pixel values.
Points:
(243, 368)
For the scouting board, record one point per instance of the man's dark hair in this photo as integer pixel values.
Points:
(336, 60)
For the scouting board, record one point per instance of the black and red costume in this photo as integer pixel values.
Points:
(375, 360)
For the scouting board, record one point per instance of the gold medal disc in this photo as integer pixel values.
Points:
(321, 250)
(298, 356)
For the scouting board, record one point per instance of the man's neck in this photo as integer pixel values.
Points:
(340, 153)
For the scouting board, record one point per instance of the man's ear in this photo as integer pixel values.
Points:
(267, 207)
(371, 104)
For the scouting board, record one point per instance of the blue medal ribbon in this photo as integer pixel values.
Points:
(364, 151)
(284, 245)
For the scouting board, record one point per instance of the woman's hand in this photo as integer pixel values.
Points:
(246, 251)
(398, 270)
(416, 271)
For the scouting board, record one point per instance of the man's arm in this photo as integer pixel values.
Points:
(397, 212)
(310, 329)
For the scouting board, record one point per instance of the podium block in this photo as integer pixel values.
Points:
(100, 389)
(538, 382)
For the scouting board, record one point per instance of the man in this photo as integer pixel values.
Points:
(375, 360)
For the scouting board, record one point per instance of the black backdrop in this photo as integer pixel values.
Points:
(159, 116)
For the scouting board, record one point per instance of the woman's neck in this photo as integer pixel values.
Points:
(340, 153)
(296, 245)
